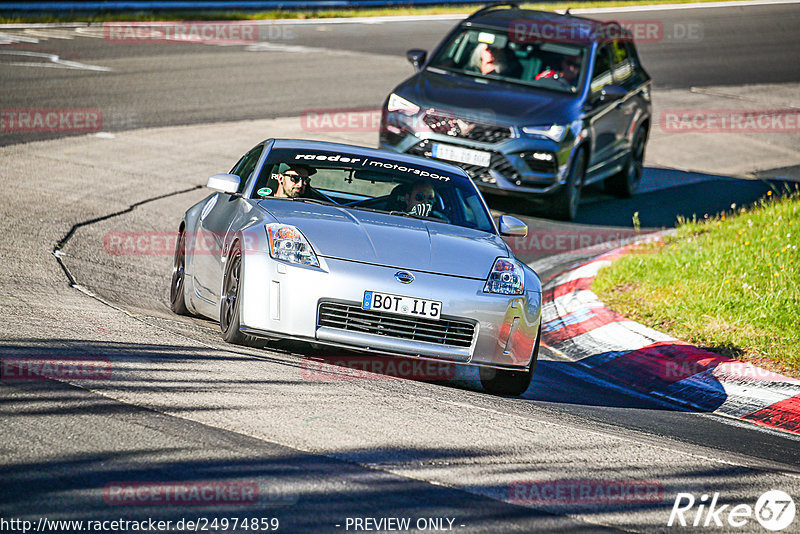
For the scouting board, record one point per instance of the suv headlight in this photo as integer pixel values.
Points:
(506, 278)
(556, 132)
(287, 243)
(398, 103)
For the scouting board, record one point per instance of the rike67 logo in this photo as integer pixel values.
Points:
(774, 510)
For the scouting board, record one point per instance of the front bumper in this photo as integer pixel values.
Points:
(515, 167)
(282, 300)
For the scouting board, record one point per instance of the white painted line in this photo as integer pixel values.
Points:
(738, 399)
(572, 302)
(7, 38)
(55, 61)
(626, 336)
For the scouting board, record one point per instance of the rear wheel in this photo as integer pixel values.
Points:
(177, 300)
(230, 301)
(627, 181)
(565, 205)
(503, 382)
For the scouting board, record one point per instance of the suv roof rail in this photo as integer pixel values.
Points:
(484, 9)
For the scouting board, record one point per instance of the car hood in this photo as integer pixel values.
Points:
(504, 103)
(391, 240)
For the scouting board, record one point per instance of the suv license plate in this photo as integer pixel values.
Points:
(462, 155)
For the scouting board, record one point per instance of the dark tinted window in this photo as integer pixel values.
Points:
(601, 75)
(622, 64)
(244, 168)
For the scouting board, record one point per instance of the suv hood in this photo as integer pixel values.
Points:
(391, 240)
(493, 101)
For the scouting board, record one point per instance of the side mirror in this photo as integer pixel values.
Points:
(417, 58)
(512, 226)
(224, 183)
(612, 92)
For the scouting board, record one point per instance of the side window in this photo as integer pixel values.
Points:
(246, 165)
(623, 65)
(601, 75)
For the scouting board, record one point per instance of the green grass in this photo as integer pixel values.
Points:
(320, 13)
(729, 283)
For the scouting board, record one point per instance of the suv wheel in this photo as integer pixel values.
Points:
(625, 183)
(565, 205)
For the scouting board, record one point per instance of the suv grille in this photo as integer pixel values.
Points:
(351, 317)
(498, 163)
(474, 131)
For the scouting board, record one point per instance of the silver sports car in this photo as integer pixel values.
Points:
(361, 249)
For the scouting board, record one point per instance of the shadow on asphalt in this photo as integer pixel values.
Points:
(665, 195)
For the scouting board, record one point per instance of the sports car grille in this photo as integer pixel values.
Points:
(474, 131)
(498, 163)
(350, 317)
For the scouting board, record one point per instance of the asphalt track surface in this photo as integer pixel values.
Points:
(183, 406)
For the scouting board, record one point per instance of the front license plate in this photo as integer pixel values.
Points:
(462, 155)
(429, 309)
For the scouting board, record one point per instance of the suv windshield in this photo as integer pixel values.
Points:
(491, 54)
(356, 182)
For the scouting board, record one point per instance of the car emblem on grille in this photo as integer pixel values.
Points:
(404, 277)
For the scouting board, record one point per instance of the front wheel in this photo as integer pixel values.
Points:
(177, 300)
(625, 183)
(565, 205)
(503, 382)
(230, 301)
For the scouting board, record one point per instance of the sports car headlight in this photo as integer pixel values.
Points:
(398, 103)
(287, 243)
(556, 132)
(506, 278)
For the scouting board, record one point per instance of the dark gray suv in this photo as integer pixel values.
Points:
(529, 103)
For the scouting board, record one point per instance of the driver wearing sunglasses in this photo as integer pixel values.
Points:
(293, 182)
(420, 199)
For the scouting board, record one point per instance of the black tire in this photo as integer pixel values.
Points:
(229, 300)
(177, 300)
(502, 382)
(565, 205)
(625, 183)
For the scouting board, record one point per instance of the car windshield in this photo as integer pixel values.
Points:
(361, 183)
(523, 57)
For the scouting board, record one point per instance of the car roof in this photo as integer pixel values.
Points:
(305, 144)
(499, 17)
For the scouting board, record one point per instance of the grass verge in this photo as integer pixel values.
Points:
(729, 283)
(318, 13)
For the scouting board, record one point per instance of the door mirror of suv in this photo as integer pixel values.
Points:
(417, 57)
(612, 92)
(512, 226)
